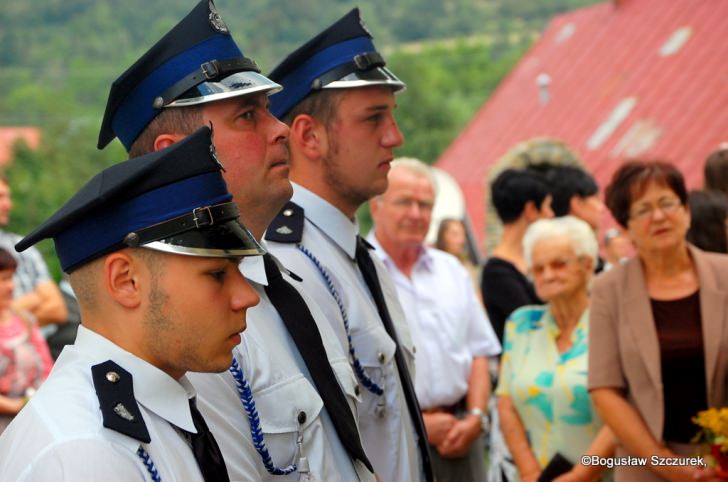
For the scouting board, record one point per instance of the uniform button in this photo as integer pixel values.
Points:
(301, 417)
(357, 390)
(288, 212)
(414, 349)
(380, 357)
(113, 377)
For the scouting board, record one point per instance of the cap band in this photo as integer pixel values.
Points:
(137, 110)
(105, 230)
(208, 71)
(298, 83)
(200, 217)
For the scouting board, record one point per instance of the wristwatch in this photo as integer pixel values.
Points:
(484, 419)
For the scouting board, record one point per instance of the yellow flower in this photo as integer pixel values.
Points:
(714, 424)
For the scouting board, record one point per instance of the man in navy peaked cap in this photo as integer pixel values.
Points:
(302, 392)
(338, 98)
(118, 406)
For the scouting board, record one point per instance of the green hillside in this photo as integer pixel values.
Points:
(59, 58)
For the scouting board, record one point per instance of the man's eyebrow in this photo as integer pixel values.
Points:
(377, 108)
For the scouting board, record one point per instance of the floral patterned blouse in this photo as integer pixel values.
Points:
(25, 361)
(548, 388)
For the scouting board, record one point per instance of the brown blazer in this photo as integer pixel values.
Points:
(624, 351)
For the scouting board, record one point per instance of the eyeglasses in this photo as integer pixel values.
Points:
(557, 264)
(407, 203)
(666, 205)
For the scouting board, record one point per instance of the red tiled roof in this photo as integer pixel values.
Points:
(603, 61)
(10, 135)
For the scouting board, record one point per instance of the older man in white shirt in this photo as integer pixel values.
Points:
(448, 324)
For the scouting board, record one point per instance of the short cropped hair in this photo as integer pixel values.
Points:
(565, 183)
(172, 120)
(708, 213)
(417, 167)
(322, 105)
(513, 189)
(577, 232)
(7, 260)
(630, 181)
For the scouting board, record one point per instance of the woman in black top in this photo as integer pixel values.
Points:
(520, 197)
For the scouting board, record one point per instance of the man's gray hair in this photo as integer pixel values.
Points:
(417, 167)
(578, 232)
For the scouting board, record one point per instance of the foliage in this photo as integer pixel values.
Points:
(59, 58)
(43, 180)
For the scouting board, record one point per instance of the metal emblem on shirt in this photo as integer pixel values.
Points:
(216, 21)
(122, 411)
(284, 230)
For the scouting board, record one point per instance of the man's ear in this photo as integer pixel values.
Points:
(165, 140)
(308, 136)
(122, 278)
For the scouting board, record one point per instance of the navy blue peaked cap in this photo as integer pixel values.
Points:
(195, 62)
(173, 200)
(342, 56)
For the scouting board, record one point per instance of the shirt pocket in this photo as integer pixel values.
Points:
(285, 409)
(349, 384)
(374, 348)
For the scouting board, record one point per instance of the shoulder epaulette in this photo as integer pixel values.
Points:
(119, 408)
(287, 227)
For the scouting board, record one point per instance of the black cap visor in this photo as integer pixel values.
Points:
(229, 239)
(367, 78)
(239, 83)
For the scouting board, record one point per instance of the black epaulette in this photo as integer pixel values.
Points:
(287, 227)
(119, 408)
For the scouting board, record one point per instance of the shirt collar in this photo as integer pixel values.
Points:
(553, 327)
(157, 391)
(253, 269)
(328, 218)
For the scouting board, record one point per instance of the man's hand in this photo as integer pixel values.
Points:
(437, 426)
(460, 437)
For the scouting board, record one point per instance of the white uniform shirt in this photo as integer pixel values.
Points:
(388, 434)
(282, 388)
(447, 321)
(59, 435)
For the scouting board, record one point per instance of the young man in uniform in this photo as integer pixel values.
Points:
(285, 410)
(339, 101)
(118, 406)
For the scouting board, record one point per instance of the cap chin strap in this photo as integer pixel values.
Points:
(211, 70)
(199, 218)
(360, 62)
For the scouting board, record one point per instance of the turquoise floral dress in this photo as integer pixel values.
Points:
(548, 388)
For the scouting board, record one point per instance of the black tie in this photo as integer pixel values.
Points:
(301, 326)
(369, 272)
(207, 453)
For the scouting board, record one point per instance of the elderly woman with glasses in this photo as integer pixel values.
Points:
(546, 414)
(659, 329)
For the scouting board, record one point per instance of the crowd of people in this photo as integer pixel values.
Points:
(237, 326)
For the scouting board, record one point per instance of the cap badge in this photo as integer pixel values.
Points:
(216, 21)
(123, 412)
(213, 154)
(213, 151)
